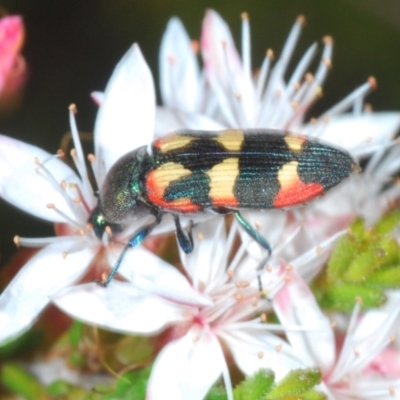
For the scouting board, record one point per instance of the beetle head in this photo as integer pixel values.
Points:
(120, 199)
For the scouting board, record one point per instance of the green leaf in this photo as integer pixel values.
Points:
(342, 256)
(297, 382)
(75, 333)
(131, 386)
(357, 230)
(22, 345)
(18, 381)
(256, 386)
(388, 223)
(314, 395)
(364, 264)
(134, 349)
(342, 297)
(59, 388)
(387, 278)
(217, 393)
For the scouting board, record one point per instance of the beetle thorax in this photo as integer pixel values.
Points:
(121, 196)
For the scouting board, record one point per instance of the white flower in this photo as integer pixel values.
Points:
(355, 368)
(193, 359)
(41, 184)
(227, 92)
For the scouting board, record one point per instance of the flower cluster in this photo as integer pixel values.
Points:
(213, 310)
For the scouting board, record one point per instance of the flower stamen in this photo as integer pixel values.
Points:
(64, 216)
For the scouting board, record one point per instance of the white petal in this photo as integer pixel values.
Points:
(370, 336)
(295, 305)
(185, 368)
(208, 258)
(150, 273)
(42, 276)
(119, 307)
(218, 49)
(350, 131)
(169, 120)
(24, 186)
(255, 350)
(179, 70)
(125, 119)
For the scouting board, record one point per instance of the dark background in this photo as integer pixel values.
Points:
(72, 47)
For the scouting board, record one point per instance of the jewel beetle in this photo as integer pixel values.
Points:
(190, 172)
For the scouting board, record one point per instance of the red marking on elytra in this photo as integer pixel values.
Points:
(297, 194)
(155, 194)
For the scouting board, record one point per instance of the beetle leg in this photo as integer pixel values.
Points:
(260, 240)
(185, 241)
(260, 269)
(253, 232)
(134, 241)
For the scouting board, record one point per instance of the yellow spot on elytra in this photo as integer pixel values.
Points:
(166, 174)
(222, 182)
(288, 175)
(294, 143)
(231, 139)
(173, 142)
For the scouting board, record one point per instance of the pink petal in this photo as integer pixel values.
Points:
(23, 186)
(120, 307)
(11, 39)
(42, 276)
(186, 368)
(179, 70)
(97, 97)
(125, 120)
(295, 305)
(216, 36)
